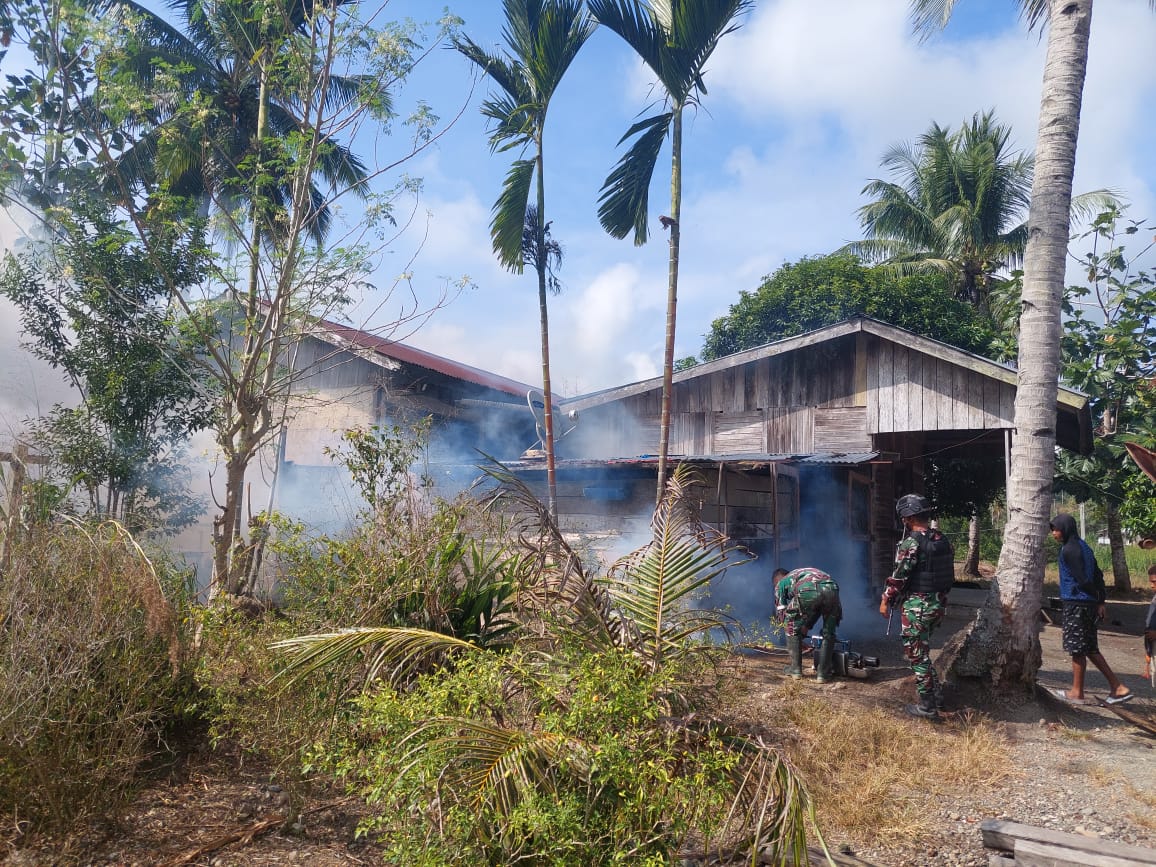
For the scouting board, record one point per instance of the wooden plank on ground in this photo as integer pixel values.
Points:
(1032, 853)
(1000, 861)
(818, 859)
(999, 834)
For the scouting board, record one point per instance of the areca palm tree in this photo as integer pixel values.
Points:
(542, 38)
(1004, 643)
(956, 204)
(675, 39)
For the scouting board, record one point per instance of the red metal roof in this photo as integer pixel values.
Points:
(411, 355)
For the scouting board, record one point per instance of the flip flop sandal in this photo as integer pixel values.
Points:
(1061, 695)
(1119, 699)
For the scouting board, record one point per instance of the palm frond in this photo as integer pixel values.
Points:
(624, 200)
(498, 766)
(928, 17)
(395, 654)
(559, 582)
(509, 215)
(638, 27)
(1087, 206)
(654, 585)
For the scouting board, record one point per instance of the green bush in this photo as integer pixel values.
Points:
(92, 669)
(606, 774)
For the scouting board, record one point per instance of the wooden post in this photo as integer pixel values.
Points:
(18, 459)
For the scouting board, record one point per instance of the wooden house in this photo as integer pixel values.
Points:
(347, 378)
(351, 378)
(802, 445)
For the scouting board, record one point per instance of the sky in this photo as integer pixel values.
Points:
(802, 102)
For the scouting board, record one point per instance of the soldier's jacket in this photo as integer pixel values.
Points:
(906, 559)
(800, 589)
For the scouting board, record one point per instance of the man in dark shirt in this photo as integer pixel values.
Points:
(1083, 595)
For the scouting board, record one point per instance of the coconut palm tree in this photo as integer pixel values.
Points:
(542, 38)
(1004, 642)
(956, 205)
(226, 61)
(675, 38)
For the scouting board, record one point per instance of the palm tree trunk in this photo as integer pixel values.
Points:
(1003, 643)
(671, 298)
(544, 318)
(1120, 575)
(971, 565)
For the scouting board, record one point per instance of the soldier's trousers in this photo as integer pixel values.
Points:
(805, 609)
(921, 613)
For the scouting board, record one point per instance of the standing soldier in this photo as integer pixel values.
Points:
(801, 598)
(924, 572)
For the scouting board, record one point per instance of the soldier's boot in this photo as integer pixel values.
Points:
(823, 668)
(924, 708)
(938, 696)
(795, 655)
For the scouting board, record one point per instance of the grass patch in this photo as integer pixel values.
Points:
(869, 771)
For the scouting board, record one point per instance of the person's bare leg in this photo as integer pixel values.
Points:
(1079, 668)
(1115, 688)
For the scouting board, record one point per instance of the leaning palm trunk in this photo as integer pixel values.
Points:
(971, 564)
(1120, 575)
(1003, 644)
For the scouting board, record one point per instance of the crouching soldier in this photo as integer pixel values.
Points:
(802, 596)
(924, 572)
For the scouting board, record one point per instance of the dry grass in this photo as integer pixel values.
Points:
(869, 771)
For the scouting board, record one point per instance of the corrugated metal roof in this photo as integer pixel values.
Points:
(753, 460)
(347, 335)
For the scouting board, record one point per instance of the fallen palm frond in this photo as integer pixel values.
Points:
(395, 654)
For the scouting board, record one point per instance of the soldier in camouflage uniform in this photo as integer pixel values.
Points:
(802, 596)
(924, 572)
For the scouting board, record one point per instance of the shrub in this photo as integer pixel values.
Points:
(605, 774)
(91, 671)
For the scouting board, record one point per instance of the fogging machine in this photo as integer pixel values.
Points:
(844, 661)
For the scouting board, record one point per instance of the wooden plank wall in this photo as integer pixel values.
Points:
(831, 397)
(910, 391)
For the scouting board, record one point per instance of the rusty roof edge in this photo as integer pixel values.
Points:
(341, 336)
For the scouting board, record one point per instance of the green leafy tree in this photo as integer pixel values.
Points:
(814, 292)
(1108, 346)
(956, 205)
(93, 306)
(226, 60)
(675, 39)
(542, 39)
(268, 277)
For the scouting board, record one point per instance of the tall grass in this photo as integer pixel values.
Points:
(91, 662)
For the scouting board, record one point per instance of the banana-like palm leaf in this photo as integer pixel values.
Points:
(395, 654)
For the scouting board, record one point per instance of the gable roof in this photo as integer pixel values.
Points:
(1068, 397)
(352, 339)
